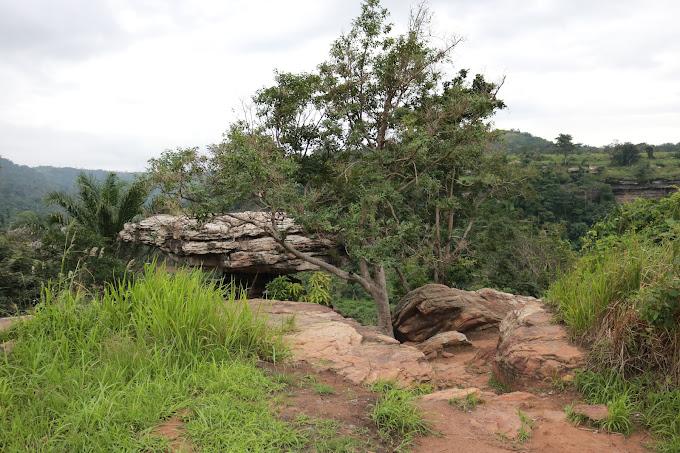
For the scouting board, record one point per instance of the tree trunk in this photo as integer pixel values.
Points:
(382, 301)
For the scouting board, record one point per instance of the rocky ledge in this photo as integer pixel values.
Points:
(327, 341)
(230, 244)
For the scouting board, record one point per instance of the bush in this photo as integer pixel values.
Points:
(314, 288)
(625, 155)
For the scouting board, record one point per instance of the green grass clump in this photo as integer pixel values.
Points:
(467, 403)
(100, 373)
(658, 405)
(323, 389)
(526, 427)
(396, 415)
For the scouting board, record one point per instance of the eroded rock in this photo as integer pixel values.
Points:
(533, 348)
(593, 412)
(444, 342)
(327, 341)
(227, 243)
(435, 308)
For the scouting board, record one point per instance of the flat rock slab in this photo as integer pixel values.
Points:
(533, 348)
(327, 341)
(593, 412)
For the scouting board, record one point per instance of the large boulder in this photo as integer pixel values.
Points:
(434, 308)
(533, 348)
(233, 244)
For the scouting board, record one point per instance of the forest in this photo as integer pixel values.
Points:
(392, 153)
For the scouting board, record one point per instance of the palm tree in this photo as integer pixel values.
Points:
(101, 207)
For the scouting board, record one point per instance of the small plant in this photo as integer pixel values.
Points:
(526, 427)
(574, 417)
(619, 418)
(278, 288)
(318, 289)
(498, 386)
(467, 403)
(323, 389)
(396, 415)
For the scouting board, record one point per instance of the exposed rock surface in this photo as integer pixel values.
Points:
(593, 412)
(443, 342)
(532, 347)
(435, 308)
(227, 243)
(327, 341)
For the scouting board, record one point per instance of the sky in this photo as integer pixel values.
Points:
(111, 83)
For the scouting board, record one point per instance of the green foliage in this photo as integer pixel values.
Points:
(624, 155)
(315, 288)
(104, 371)
(526, 427)
(323, 389)
(658, 406)
(396, 414)
(101, 208)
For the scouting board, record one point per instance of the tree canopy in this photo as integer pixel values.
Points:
(383, 146)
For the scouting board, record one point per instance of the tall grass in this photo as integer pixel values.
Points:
(97, 374)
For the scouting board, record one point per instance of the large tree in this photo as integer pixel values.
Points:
(382, 147)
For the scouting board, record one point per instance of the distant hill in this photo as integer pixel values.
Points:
(23, 188)
(514, 141)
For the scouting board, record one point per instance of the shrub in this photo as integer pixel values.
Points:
(315, 288)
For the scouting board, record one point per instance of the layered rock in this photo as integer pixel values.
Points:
(532, 347)
(233, 244)
(445, 342)
(435, 308)
(327, 341)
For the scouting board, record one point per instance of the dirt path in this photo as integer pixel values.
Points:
(502, 422)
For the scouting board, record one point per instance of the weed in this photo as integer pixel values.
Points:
(323, 389)
(526, 427)
(619, 418)
(467, 403)
(396, 415)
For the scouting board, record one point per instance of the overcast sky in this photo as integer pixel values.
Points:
(109, 84)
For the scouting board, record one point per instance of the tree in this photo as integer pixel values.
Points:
(101, 208)
(564, 145)
(625, 155)
(376, 148)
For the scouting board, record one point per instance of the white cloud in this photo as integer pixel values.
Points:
(96, 83)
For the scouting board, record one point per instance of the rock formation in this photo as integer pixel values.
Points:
(435, 308)
(226, 243)
(327, 341)
(532, 347)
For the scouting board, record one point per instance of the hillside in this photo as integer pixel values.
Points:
(23, 188)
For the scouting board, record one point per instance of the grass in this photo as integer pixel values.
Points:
(363, 310)
(396, 415)
(467, 403)
(657, 405)
(323, 389)
(526, 427)
(99, 373)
